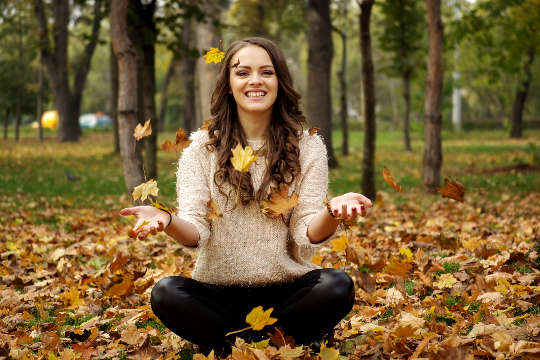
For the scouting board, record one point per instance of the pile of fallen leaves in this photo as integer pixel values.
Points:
(448, 280)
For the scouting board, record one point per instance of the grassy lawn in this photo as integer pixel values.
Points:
(35, 173)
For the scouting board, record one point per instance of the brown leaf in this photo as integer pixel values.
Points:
(351, 255)
(390, 180)
(452, 189)
(206, 124)
(214, 212)
(279, 201)
(180, 143)
(279, 339)
(122, 289)
(142, 131)
(50, 340)
(119, 262)
(313, 130)
(85, 350)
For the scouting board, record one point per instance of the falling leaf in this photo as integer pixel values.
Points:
(258, 318)
(214, 55)
(160, 206)
(180, 143)
(205, 124)
(390, 180)
(313, 130)
(279, 201)
(142, 131)
(119, 262)
(242, 158)
(340, 244)
(452, 189)
(289, 353)
(445, 281)
(145, 189)
(317, 259)
(214, 212)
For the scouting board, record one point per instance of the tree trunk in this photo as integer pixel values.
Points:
(188, 70)
(368, 88)
(148, 38)
(39, 107)
(114, 98)
(17, 119)
(320, 53)
(126, 55)
(171, 71)
(342, 75)
(6, 124)
(521, 96)
(432, 105)
(407, 99)
(208, 35)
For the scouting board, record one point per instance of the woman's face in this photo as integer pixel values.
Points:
(253, 80)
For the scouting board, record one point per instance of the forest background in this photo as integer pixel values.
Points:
(385, 85)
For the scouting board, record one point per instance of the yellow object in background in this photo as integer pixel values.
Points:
(49, 119)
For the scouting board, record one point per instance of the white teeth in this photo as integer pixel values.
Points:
(255, 94)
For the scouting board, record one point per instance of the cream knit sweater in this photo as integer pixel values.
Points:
(245, 247)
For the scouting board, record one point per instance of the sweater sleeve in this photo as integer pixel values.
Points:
(312, 191)
(192, 187)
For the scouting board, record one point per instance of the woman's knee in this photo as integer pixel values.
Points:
(164, 288)
(337, 284)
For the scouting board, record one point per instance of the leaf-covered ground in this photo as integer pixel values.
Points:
(435, 278)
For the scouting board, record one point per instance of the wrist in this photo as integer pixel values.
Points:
(170, 219)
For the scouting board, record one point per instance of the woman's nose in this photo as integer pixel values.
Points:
(255, 79)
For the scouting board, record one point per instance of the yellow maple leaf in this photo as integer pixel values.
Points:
(445, 281)
(317, 259)
(263, 344)
(279, 201)
(288, 353)
(161, 206)
(327, 353)
(340, 244)
(214, 55)
(406, 252)
(71, 298)
(503, 286)
(143, 190)
(258, 318)
(242, 158)
(142, 131)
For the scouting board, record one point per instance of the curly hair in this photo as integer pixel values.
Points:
(282, 141)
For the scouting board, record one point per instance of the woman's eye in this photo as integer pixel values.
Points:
(268, 73)
(242, 73)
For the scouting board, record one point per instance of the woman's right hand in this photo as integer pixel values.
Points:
(156, 220)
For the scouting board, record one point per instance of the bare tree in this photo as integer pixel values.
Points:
(368, 105)
(321, 51)
(126, 55)
(521, 96)
(55, 57)
(432, 104)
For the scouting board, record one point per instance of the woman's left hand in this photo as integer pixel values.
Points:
(349, 205)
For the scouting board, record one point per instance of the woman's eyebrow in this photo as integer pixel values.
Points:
(249, 67)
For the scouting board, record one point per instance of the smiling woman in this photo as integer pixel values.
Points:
(249, 256)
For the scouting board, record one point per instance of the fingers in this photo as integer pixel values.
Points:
(128, 211)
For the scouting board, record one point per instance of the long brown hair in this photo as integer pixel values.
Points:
(225, 131)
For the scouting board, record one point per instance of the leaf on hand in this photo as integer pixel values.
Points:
(144, 190)
(313, 130)
(340, 244)
(145, 222)
(452, 189)
(390, 180)
(279, 201)
(214, 212)
(214, 55)
(142, 131)
(160, 206)
(242, 158)
(258, 318)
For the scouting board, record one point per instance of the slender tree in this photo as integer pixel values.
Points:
(188, 65)
(320, 53)
(433, 157)
(126, 55)
(113, 67)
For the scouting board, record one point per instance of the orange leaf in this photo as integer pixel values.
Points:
(180, 143)
(279, 201)
(313, 130)
(121, 289)
(206, 124)
(119, 262)
(390, 180)
(214, 212)
(142, 131)
(452, 189)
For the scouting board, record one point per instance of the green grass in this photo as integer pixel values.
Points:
(33, 173)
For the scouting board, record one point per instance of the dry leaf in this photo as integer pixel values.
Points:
(242, 158)
(142, 131)
(205, 124)
(279, 201)
(121, 289)
(214, 55)
(328, 353)
(286, 352)
(145, 189)
(313, 130)
(180, 143)
(390, 180)
(214, 212)
(340, 244)
(452, 189)
(258, 318)
(445, 281)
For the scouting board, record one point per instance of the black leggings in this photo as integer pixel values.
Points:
(307, 308)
